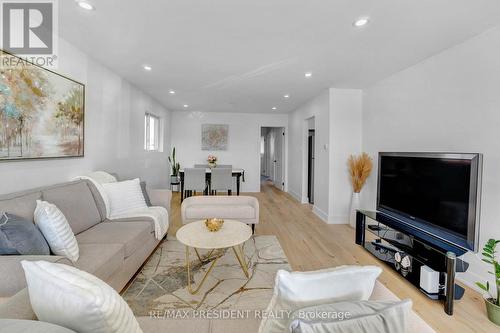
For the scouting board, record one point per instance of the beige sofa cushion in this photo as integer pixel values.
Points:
(149, 325)
(31, 326)
(249, 325)
(20, 204)
(101, 260)
(220, 211)
(132, 235)
(76, 202)
(18, 307)
(12, 275)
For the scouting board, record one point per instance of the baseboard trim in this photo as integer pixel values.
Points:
(338, 219)
(297, 197)
(321, 214)
(294, 195)
(470, 278)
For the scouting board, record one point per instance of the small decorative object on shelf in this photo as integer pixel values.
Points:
(360, 168)
(492, 301)
(175, 167)
(212, 161)
(214, 224)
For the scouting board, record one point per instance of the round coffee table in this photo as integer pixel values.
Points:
(196, 235)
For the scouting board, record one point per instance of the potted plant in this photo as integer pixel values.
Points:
(175, 167)
(360, 168)
(212, 161)
(492, 301)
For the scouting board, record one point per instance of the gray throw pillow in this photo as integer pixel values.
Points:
(145, 193)
(352, 317)
(19, 236)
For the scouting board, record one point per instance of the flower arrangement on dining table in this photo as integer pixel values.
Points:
(212, 161)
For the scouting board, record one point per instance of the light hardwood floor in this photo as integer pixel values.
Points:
(311, 244)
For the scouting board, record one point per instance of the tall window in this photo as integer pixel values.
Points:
(151, 132)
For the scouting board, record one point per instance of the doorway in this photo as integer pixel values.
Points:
(310, 159)
(272, 156)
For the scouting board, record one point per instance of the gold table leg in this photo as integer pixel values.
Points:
(238, 252)
(208, 255)
(188, 266)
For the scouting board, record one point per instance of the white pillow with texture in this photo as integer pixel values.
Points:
(353, 317)
(56, 230)
(124, 197)
(295, 290)
(68, 297)
(102, 177)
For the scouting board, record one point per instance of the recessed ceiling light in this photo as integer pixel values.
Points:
(186, 106)
(308, 74)
(147, 68)
(85, 5)
(362, 21)
(286, 96)
(171, 92)
(274, 108)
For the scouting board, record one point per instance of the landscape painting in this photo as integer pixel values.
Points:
(214, 137)
(41, 112)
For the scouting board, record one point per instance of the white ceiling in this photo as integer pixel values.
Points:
(244, 55)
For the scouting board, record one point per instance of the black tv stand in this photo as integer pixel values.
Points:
(385, 237)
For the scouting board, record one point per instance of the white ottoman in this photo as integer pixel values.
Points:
(241, 208)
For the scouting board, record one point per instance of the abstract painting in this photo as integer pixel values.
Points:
(214, 137)
(41, 112)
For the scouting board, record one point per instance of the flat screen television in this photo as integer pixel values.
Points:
(438, 193)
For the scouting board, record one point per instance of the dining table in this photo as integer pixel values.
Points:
(239, 174)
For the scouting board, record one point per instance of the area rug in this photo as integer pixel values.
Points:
(162, 283)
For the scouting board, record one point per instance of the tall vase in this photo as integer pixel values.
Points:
(352, 211)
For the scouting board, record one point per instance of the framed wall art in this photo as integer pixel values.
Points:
(42, 113)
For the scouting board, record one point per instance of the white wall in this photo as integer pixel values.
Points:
(345, 140)
(337, 123)
(114, 131)
(319, 108)
(243, 146)
(449, 102)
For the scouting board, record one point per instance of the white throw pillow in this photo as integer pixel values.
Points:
(124, 197)
(102, 177)
(68, 297)
(56, 230)
(295, 290)
(352, 317)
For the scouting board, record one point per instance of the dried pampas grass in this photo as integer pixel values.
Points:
(360, 168)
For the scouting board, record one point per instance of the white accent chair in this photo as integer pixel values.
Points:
(241, 208)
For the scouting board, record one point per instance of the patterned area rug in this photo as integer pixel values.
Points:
(162, 283)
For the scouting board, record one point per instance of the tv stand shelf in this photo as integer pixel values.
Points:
(407, 249)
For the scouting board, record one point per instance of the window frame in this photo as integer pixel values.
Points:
(156, 146)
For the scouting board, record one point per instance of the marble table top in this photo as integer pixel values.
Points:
(196, 234)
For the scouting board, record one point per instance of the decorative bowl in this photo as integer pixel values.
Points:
(214, 224)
